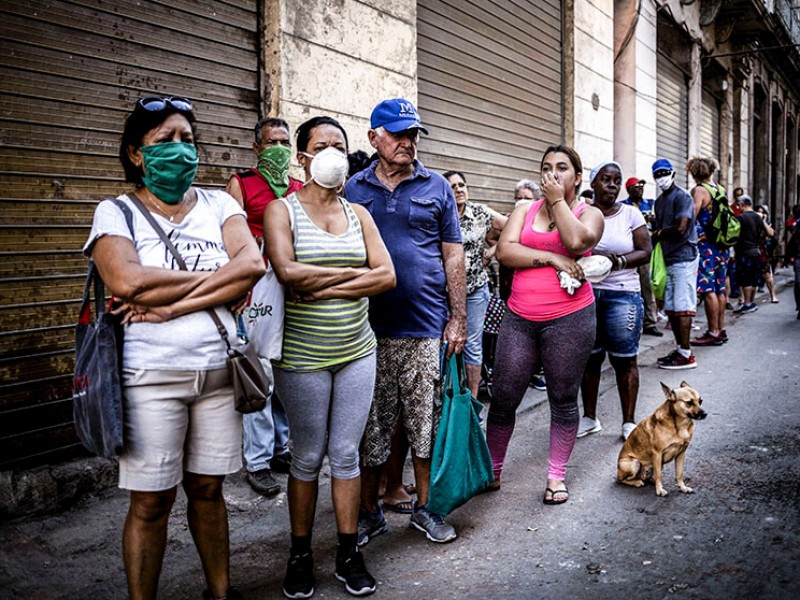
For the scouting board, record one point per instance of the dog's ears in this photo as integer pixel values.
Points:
(668, 392)
(684, 384)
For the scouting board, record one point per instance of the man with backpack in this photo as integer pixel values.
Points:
(717, 228)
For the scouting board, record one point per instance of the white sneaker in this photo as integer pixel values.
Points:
(627, 428)
(588, 426)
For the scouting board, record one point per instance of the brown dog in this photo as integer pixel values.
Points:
(663, 436)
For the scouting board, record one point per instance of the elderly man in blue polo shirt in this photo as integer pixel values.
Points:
(416, 214)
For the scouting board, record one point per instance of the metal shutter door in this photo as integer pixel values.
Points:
(70, 71)
(672, 117)
(491, 98)
(709, 127)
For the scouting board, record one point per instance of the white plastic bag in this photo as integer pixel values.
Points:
(264, 316)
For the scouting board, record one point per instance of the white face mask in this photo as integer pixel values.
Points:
(329, 167)
(665, 182)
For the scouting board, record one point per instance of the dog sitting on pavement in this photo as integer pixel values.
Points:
(660, 438)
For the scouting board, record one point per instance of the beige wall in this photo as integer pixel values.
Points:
(593, 75)
(645, 126)
(339, 58)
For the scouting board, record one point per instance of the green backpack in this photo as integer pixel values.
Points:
(724, 229)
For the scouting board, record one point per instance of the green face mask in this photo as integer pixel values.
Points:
(273, 164)
(169, 169)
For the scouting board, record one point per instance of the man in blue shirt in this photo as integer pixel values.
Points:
(635, 188)
(415, 212)
(674, 229)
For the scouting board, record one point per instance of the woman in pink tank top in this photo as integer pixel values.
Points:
(546, 324)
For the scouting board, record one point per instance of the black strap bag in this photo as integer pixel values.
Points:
(251, 385)
(97, 383)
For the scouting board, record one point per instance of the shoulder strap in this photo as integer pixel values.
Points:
(178, 258)
(127, 212)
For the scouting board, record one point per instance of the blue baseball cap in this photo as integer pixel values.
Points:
(662, 164)
(395, 115)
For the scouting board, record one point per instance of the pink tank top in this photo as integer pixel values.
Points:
(536, 293)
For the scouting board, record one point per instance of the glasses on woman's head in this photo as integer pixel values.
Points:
(155, 103)
(458, 185)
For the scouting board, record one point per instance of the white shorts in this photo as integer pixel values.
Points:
(176, 422)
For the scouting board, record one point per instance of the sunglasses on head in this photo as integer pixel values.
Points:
(155, 103)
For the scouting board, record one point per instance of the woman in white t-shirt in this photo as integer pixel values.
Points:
(179, 418)
(618, 300)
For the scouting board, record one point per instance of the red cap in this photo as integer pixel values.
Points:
(633, 181)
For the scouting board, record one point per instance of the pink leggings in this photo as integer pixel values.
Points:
(562, 347)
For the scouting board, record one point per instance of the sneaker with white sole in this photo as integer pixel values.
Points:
(299, 580)
(588, 426)
(352, 571)
(435, 528)
(627, 428)
(370, 524)
(679, 361)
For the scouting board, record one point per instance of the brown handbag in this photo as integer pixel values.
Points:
(251, 385)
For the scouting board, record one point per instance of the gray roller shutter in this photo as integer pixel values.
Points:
(70, 72)
(489, 77)
(672, 135)
(709, 127)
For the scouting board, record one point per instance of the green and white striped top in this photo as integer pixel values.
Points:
(324, 333)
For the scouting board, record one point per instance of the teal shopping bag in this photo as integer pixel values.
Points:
(461, 466)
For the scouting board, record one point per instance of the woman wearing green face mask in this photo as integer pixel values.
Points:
(180, 423)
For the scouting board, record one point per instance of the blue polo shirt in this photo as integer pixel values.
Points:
(413, 221)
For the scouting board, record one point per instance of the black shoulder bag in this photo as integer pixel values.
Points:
(97, 381)
(250, 383)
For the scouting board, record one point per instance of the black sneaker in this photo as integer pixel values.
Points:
(299, 580)
(352, 571)
(281, 463)
(263, 482)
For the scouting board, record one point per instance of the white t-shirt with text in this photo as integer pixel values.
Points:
(191, 341)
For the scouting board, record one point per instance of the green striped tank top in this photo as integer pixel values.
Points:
(321, 334)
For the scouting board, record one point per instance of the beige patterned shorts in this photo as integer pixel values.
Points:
(408, 384)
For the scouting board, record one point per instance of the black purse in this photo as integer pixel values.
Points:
(251, 384)
(97, 383)
(97, 379)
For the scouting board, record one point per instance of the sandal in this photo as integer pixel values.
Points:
(552, 500)
(404, 507)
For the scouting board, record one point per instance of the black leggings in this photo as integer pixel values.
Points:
(562, 346)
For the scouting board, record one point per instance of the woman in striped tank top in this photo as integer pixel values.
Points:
(329, 255)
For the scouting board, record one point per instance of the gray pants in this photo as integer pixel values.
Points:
(327, 412)
(650, 308)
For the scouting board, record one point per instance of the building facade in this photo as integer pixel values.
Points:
(495, 81)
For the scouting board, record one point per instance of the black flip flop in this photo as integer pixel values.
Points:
(552, 501)
(404, 507)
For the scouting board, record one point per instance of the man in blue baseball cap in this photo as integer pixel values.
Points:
(396, 115)
(416, 214)
(674, 229)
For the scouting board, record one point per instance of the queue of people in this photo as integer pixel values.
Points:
(384, 272)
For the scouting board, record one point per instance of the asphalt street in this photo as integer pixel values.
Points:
(736, 536)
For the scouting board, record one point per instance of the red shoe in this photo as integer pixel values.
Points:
(723, 335)
(708, 339)
(678, 361)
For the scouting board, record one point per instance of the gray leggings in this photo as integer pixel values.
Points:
(327, 412)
